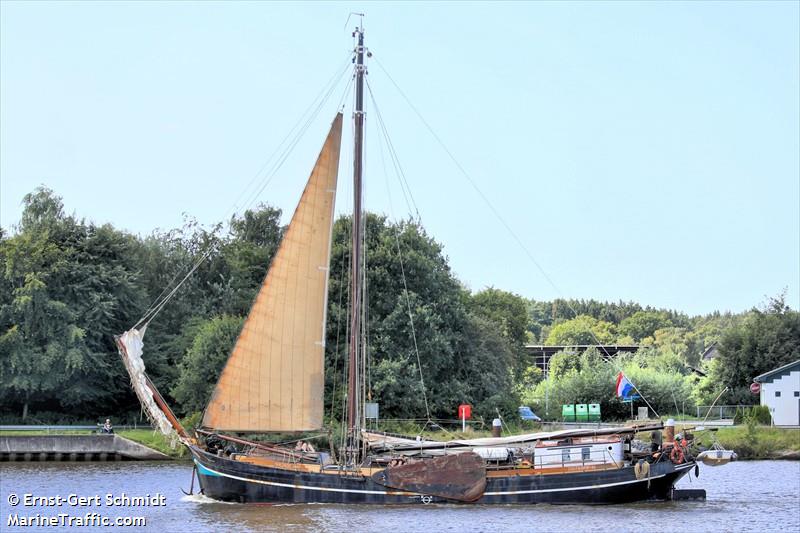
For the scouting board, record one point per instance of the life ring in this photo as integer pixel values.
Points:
(676, 455)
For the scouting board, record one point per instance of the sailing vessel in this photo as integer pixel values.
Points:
(273, 382)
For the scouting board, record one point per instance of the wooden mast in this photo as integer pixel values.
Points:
(353, 418)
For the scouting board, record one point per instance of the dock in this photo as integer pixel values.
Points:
(75, 448)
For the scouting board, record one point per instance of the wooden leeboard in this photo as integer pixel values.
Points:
(460, 477)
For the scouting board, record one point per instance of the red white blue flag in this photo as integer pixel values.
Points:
(625, 388)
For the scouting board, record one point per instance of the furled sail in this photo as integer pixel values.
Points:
(130, 345)
(273, 380)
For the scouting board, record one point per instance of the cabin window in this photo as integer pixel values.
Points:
(777, 394)
(797, 394)
(586, 453)
(565, 455)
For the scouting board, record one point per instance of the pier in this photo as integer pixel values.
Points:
(74, 448)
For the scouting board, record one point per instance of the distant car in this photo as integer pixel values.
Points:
(525, 413)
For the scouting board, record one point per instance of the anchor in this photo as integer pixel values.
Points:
(191, 487)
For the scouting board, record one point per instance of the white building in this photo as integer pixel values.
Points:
(780, 391)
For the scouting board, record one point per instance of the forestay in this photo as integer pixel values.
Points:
(273, 379)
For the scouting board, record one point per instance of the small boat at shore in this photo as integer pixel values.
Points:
(273, 383)
(716, 456)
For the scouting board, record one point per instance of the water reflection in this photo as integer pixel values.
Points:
(759, 495)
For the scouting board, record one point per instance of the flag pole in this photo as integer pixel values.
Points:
(640, 395)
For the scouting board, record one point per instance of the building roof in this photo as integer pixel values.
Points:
(778, 372)
(710, 352)
(543, 353)
(611, 349)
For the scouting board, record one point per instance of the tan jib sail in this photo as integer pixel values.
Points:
(273, 380)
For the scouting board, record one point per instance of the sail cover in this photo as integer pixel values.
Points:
(273, 380)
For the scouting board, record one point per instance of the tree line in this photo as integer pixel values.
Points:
(68, 285)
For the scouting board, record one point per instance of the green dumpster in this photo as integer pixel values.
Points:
(568, 413)
(594, 412)
(582, 412)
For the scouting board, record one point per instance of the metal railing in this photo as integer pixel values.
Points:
(67, 429)
(719, 412)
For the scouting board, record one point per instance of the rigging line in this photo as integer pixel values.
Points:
(491, 207)
(156, 306)
(642, 396)
(287, 152)
(328, 88)
(338, 331)
(167, 298)
(334, 80)
(344, 279)
(405, 289)
(347, 88)
(472, 182)
(208, 252)
(675, 401)
(401, 175)
(364, 278)
(405, 187)
(392, 155)
(234, 207)
(157, 301)
(271, 174)
(351, 387)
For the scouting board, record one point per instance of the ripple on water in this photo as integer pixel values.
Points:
(759, 495)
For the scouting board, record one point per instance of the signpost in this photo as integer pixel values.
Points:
(755, 388)
(464, 412)
(630, 400)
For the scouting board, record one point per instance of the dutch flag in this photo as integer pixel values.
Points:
(624, 386)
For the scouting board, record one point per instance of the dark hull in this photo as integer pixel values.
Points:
(227, 480)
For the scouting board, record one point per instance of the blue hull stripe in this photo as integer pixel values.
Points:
(205, 471)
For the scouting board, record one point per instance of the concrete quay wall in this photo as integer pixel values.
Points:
(74, 448)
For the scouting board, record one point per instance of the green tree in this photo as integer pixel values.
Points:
(463, 357)
(204, 361)
(70, 285)
(590, 378)
(230, 269)
(509, 313)
(643, 324)
(581, 330)
(768, 338)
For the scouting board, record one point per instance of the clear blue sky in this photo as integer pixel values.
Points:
(641, 151)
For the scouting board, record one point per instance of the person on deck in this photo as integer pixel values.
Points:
(107, 427)
(303, 446)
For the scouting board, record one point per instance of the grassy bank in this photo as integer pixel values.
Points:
(757, 442)
(148, 437)
(155, 440)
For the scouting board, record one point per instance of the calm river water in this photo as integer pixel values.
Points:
(754, 495)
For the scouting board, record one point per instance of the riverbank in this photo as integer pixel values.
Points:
(73, 448)
(758, 442)
(157, 441)
(146, 437)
